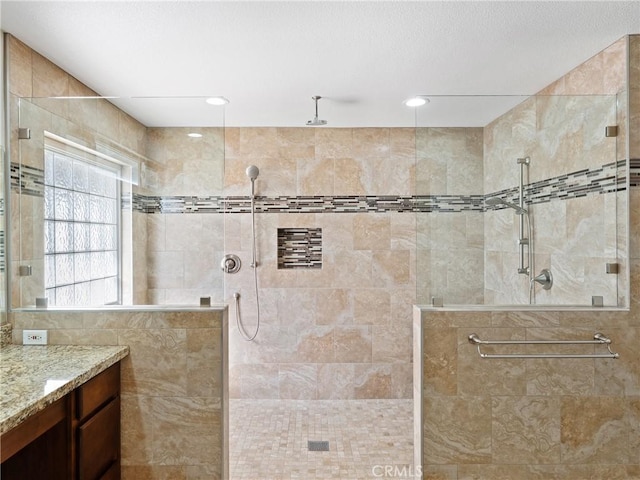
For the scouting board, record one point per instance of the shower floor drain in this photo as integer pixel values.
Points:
(318, 446)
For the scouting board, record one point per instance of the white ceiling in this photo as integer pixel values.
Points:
(364, 58)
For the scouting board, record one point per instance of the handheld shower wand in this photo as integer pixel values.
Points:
(252, 172)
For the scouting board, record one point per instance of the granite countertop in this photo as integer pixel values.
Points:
(35, 376)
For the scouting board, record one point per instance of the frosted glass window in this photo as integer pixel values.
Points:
(81, 237)
(80, 177)
(63, 204)
(62, 171)
(81, 207)
(64, 237)
(49, 237)
(81, 231)
(49, 203)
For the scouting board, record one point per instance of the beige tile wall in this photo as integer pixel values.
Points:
(343, 331)
(533, 418)
(172, 383)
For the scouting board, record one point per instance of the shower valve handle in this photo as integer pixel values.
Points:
(230, 263)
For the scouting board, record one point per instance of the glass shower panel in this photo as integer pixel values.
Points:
(472, 252)
(92, 151)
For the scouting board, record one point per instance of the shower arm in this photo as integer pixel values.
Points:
(522, 240)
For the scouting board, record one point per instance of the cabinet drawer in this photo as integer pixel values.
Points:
(98, 442)
(97, 391)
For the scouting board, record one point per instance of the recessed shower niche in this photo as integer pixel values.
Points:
(299, 248)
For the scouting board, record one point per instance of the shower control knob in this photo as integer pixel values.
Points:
(230, 263)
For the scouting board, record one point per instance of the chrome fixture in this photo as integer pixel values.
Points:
(524, 163)
(316, 121)
(230, 263)
(598, 339)
(252, 172)
(501, 201)
(545, 279)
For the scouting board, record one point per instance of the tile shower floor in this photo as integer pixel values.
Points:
(269, 439)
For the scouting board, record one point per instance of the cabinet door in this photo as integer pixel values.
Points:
(98, 391)
(98, 442)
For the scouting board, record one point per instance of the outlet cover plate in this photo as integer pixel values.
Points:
(34, 337)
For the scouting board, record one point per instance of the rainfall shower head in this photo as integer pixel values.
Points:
(500, 201)
(316, 122)
(252, 172)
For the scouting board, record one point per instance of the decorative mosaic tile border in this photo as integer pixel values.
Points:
(29, 181)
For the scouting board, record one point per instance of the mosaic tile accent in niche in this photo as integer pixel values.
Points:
(634, 172)
(299, 248)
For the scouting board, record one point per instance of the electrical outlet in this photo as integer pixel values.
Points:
(34, 337)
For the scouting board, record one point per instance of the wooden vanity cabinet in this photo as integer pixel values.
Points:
(97, 426)
(75, 438)
(38, 448)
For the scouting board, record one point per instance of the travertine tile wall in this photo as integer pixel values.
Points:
(530, 419)
(343, 331)
(172, 383)
(562, 131)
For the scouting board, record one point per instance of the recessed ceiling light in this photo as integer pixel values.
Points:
(194, 135)
(416, 101)
(217, 101)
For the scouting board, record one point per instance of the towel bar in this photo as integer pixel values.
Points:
(598, 339)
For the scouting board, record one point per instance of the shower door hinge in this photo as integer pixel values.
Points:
(24, 133)
(611, 131)
(25, 270)
(437, 302)
(613, 268)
